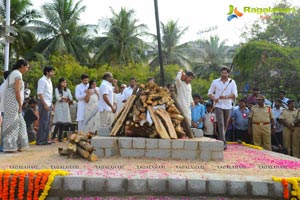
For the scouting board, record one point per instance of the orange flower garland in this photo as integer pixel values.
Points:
(39, 182)
(30, 185)
(21, 184)
(285, 183)
(1, 177)
(5, 186)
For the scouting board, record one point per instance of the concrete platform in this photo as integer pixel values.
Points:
(191, 186)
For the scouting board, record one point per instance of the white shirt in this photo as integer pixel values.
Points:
(46, 89)
(184, 91)
(80, 94)
(218, 88)
(105, 88)
(127, 93)
(184, 96)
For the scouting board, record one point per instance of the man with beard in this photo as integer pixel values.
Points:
(222, 92)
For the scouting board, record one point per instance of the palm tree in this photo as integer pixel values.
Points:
(121, 44)
(173, 53)
(60, 33)
(212, 54)
(21, 15)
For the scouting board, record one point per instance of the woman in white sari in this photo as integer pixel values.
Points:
(14, 127)
(91, 115)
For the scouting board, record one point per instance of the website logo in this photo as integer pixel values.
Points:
(233, 13)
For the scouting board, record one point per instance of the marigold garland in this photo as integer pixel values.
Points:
(247, 145)
(39, 182)
(295, 187)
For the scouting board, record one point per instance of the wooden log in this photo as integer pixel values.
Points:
(63, 152)
(72, 137)
(159, 127)
(92, 157)
(186, 126)
(83, 152)
(72, 147)
(119, 124)
(86, 146)
(164, 115)
(81, 137)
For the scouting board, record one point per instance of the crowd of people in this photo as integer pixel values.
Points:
(255, 120)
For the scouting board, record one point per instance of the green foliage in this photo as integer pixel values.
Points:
(267, 66)
(201, 86)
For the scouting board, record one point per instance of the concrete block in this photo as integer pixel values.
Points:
(184, 154)
(95, 184)
(125, 142)
(197, 132)
(216, 186)
(116, 185)
(104, 131)
(237, 188)
(217, 155)
(157, 185)
(57, 183)
(205, 155)
(151, 143)
(259, 188)
(99, 152)
(138, 143)
(73, 183)
(213, 145)
(137, 186)
(132, 152)
(177, 144)
(191, 145)
(196, 186)
(164, 144)
(158, 153)
(278, 189)
(104, 142)
(177, 185)
(109, 152)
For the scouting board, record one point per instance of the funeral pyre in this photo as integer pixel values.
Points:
(152, 112)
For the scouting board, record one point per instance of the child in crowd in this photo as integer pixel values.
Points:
(30, 117)
(210, 122)
(198, 112)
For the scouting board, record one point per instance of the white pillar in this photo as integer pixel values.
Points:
(6, 50)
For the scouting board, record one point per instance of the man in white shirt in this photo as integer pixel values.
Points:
(128, 91)
(80, 93)
(222, 92)
(184, 93)
(45, 95)
(106, 100)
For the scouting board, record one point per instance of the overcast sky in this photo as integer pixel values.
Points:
(197, 15)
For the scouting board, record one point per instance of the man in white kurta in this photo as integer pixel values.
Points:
(184, 93)
(106, 100)
(222, 92)
(80, 93)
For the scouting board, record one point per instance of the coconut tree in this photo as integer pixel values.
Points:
(173, 52)
(21, 15)
(60, 32)
(211, 54)
(121, 44)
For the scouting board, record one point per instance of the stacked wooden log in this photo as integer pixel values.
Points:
(151, 112)
(79, 144)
